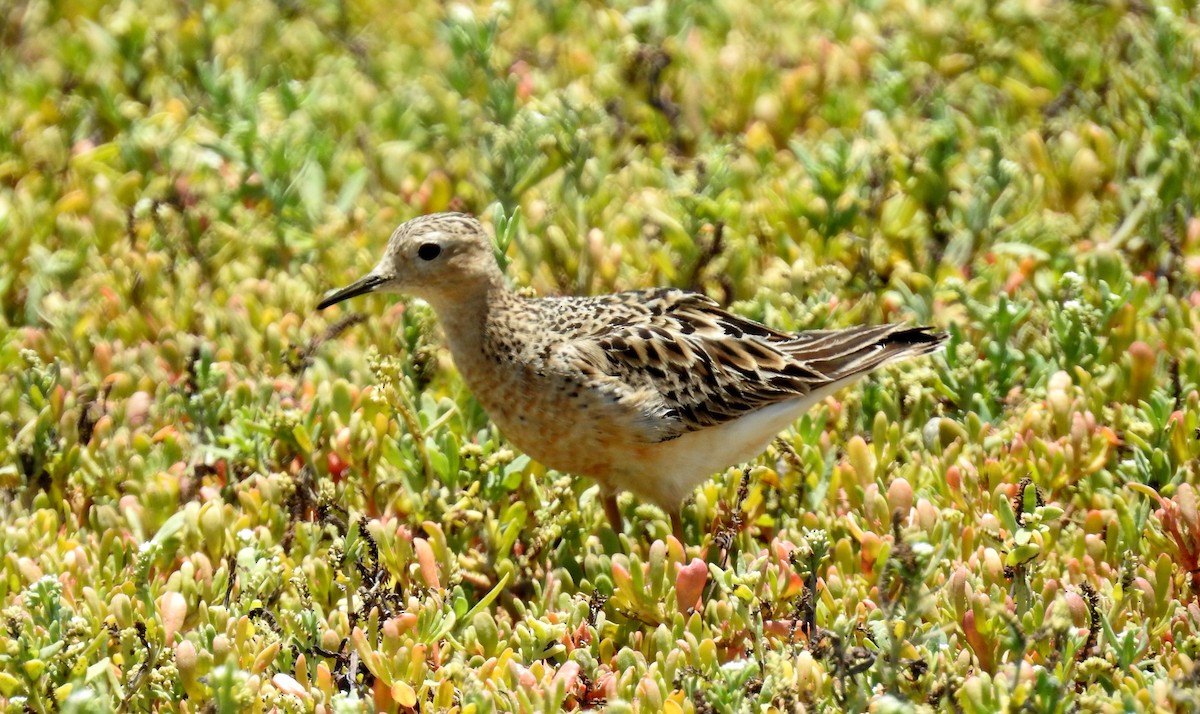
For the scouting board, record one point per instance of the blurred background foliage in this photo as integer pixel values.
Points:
(214, 495)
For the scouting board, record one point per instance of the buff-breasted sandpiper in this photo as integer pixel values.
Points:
(649, 391)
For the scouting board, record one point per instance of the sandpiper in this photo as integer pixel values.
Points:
(649, 391)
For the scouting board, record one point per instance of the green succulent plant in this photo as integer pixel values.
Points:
(211, 493)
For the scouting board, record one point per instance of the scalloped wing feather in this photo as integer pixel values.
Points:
(679, 363)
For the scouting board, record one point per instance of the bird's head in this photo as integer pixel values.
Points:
(440, 257)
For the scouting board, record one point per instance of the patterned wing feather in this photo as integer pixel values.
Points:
(682, 363)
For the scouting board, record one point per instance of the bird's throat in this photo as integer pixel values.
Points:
(465, 320)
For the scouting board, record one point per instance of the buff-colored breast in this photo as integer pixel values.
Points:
(556, 421)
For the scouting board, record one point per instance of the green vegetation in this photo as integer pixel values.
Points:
(213, 494)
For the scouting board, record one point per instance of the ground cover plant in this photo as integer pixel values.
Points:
(215, 498)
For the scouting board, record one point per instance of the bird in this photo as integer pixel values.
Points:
(650, 391)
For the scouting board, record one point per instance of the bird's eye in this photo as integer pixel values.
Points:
(429, 251)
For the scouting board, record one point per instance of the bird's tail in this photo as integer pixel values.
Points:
(843, 354)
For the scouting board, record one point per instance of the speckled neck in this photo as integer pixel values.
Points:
(465, 319)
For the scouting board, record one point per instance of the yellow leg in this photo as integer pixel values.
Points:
(613, 513)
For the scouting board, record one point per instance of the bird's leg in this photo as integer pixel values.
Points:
(676, 524)
(612, 511)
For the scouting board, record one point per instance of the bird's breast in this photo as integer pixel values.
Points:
(551, 417)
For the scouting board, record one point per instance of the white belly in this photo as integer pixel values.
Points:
(673, 469)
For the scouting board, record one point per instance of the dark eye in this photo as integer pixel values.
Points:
(429, 251)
